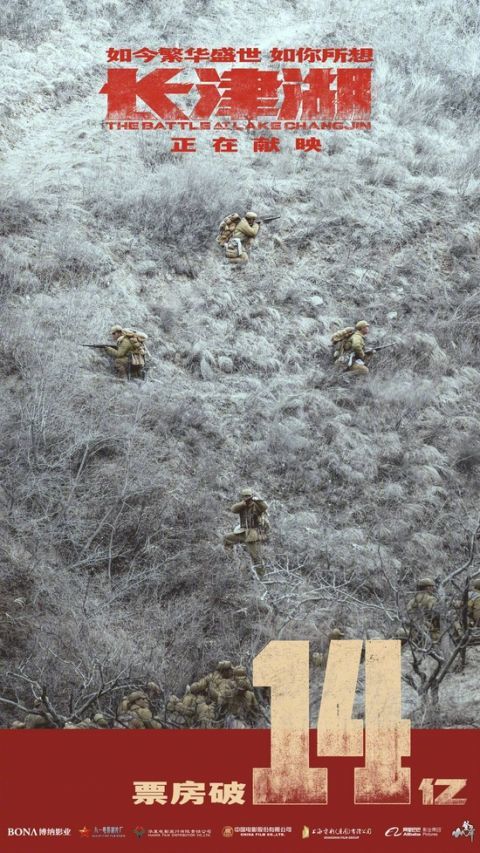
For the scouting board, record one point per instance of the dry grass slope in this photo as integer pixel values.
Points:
(118, 495)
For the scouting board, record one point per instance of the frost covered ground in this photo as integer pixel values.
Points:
(115, 497)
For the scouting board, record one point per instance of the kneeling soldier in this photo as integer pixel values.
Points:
(129, 353)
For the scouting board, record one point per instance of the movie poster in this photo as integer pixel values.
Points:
(240, 603)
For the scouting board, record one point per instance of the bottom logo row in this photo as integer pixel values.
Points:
(466, 830)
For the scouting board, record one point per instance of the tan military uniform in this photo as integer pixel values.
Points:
(356, 345)
(134, 712)
(227, 227)
(422, 609)
(241, 240)
(232, 691)
(249, 532)
(226, 691)
(129, 352)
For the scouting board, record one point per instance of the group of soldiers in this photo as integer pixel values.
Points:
(237, 234)
(224, 695)
(134, 711)
(422, 610)
(350, 354)
(128, 350)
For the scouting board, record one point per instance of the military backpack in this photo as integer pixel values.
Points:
(227, 227)
(137, 342)
(340, 338)
(339, 343)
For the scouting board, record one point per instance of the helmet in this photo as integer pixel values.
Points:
(424, 582)
(336, 634)
(116, 328)
(250, 215)
(224, 665)
(362, 324)
(476, 583)
(246, 493)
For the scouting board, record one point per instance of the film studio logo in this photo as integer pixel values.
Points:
(466, 830)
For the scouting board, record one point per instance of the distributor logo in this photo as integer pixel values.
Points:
(85, 832)
(227, 832)
(466, 830)
(413, 832)
(139, 832)
(22, 831)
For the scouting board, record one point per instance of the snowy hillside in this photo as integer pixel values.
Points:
(115, 497)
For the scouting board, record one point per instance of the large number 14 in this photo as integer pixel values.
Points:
(284, 666)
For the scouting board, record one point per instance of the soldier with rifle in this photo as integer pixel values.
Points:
(128, 352)
(237, 234)
(350, 351)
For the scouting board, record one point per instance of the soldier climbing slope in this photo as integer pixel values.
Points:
(252, 529)
(350, 352)
(349, 348)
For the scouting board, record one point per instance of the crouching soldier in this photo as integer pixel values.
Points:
(350, 352)
(252, 529)
(244, 233)
(128, 353)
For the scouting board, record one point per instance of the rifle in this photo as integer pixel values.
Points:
(99, 346)
(369, 351)
(375, 349)
(268, 219)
